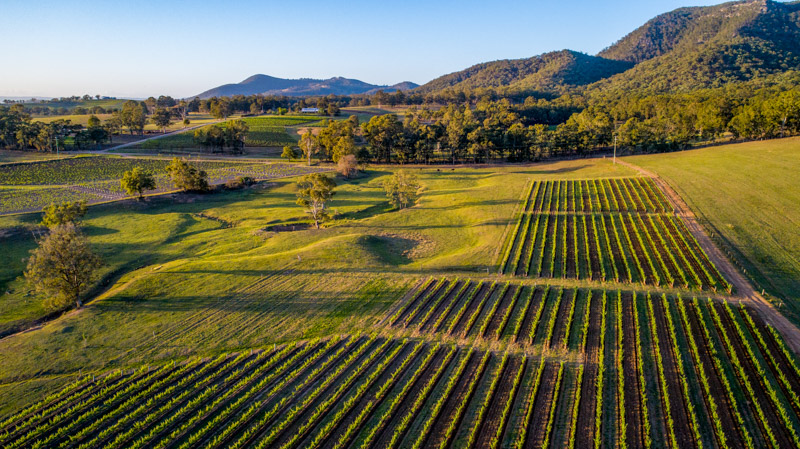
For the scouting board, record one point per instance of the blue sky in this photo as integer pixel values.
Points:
(180, 48)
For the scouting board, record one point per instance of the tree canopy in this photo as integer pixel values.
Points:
(136, 181)
(186, 177)
(402, 189)
(62, 267)
(314, 192)
(57, 214)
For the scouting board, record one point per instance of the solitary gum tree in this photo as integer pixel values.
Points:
(315, 191)
(162, 118)
(402, 189)
(136, 181)
(309, 144)
(186, 177)
(62, 266)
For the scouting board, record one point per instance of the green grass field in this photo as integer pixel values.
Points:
(105, 103)
(201, 276)
(10, 156)
(267, 131)
(31, 186)
(194, 118)
(746, 195)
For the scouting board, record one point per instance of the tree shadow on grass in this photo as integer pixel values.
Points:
(554, 171)
(390, 227)
(371, 211)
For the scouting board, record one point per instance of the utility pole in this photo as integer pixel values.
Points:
(615, 148)
(616, 129)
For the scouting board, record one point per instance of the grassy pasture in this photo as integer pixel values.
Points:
(266, 131)
(195, 275)
(31, 186)
(106, 103)
(747, 195)
(82, 119)
(177, 124)
(11, 156)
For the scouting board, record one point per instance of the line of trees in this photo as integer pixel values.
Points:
(500, 130)
(19, 132)
(476, 125)
(216, 138)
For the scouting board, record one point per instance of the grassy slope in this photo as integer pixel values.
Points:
(263, 131)
(194, 118)
(10, 156)
(207, 287)
(747, 195)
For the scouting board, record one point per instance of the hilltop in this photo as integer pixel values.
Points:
(270, 85)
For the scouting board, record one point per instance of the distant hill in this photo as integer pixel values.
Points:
(692, 48)
(269, 85)
(547, 72)
(405, 85)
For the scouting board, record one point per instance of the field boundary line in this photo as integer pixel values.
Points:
(518, 210)
(744, 289)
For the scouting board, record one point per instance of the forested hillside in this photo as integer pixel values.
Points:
(682, 50)
(549, 72)
(694, 48)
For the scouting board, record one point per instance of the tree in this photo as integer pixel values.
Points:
(220, 108)
(235, 135)
(93, 121)
(348, 165)
(330, 135)
(344, 146)
(315, 190)
(57, 214)
(186, 177)
(783, 109)
(288, 152)
(363, 156)
(62, 266)
(133, 116)
(212, 137)
(309, 144)
(162, 118)
(137, 181)
(382, 133)
(150, 104)
(183, 109)
(402, 189)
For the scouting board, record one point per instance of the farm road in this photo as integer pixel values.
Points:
(744, 290)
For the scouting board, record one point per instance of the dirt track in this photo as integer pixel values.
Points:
(744, 291)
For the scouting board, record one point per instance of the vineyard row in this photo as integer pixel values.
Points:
(672, 372)
(648, 249)
(639, 195)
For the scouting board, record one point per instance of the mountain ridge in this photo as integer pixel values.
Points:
(701, 47)
(270, 85)
(548, 71)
